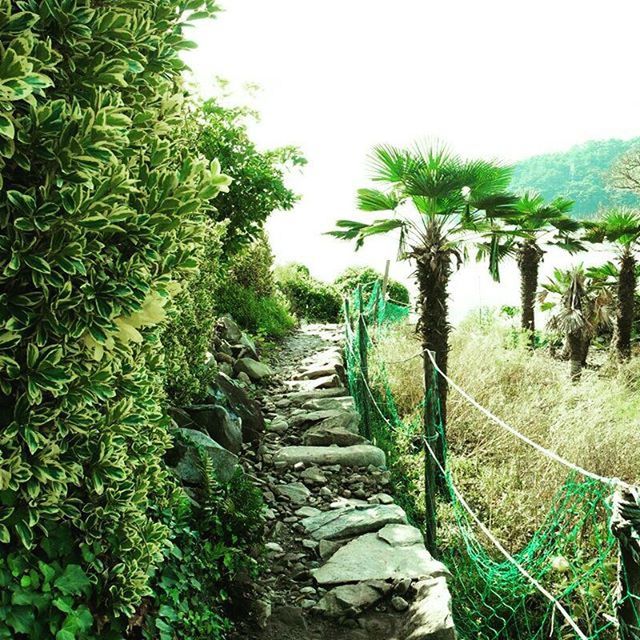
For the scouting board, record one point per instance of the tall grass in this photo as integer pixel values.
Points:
(595, 423)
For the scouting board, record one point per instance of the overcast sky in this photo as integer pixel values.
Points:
(492, 78)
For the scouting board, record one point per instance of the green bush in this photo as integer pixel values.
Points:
(349, 280)
(213, 544)
(188, 334)
(247, 292)
(309, 298)
(101, 210)
(258, 186)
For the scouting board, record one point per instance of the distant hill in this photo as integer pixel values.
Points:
(579, 174)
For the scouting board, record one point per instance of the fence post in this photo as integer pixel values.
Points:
(625, 526)
(385, 280)
(430, 436)
(364, 366)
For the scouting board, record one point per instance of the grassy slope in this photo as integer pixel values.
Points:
(594, 423)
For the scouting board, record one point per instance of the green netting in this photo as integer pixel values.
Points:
(573, 554)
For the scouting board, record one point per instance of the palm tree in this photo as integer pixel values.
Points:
(581, 308)
(622, 227)
(437, 201)
(531, 224)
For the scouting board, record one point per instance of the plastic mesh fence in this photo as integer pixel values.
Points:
(573, 554)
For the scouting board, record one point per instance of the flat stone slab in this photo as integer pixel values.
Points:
(295, 491)
(359, 455)
(322, 404)
(371, 557)
(353, 521)
(313, 416)
(320, 435)
(300, 397)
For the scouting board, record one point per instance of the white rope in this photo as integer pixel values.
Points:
(556, 603)
(616, 482)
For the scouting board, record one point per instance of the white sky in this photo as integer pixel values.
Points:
(492, 78)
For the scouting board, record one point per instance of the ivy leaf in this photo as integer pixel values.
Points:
(73, 581)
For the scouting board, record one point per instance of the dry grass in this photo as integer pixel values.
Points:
(595, 423)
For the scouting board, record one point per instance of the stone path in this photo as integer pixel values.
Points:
(343, 562)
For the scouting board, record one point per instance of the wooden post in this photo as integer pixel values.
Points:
(385, 280)
(364, 367)
(625, 526)
(430, 436)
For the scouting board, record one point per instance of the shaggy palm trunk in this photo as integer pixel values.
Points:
(626, 298)
(433, 271)
(576, 342)
(529, 257)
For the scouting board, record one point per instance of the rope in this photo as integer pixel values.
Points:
(615, 482)
(487, 532)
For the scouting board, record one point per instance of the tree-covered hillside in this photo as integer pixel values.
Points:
(581, 173)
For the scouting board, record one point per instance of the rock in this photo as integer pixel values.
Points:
(180, 417)
(381, 498)
(345, 403)
(295, 491)
(229, 329)
(224, 358)
(430, 616)
(327, 548)
(244, 379)
(313, 416)
(310, 544)
(248, 347)
(371, 557)
(261, 610)
(399, 603)
(352, 521)
(290, 616)
(322, 371)
(256, 371)
(220, 424)
(401, 536)
(360, 455)
(188, 468)
(313, 475)
(348, 599)
(244, 406)
(327, 382)
(278, 425)
(306, 512)
(300, 397)
(321, 435)
(273, 547)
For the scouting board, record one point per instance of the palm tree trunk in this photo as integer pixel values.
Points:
(626, 299)
(576, 354)
(529, 257)
(433, 278)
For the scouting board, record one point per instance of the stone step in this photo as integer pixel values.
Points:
(348, 522)
(394, 552)
(360, 455)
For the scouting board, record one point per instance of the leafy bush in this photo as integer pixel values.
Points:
(248, 293)
(351, 278)
(187, 336)
(309, 298)
(101, 210)
(213, 544)
(258, 186)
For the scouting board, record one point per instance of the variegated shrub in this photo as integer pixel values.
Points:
(102, 209)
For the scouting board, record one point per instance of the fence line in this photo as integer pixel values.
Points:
(627, 597)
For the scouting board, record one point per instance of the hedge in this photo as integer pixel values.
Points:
(100, 212)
